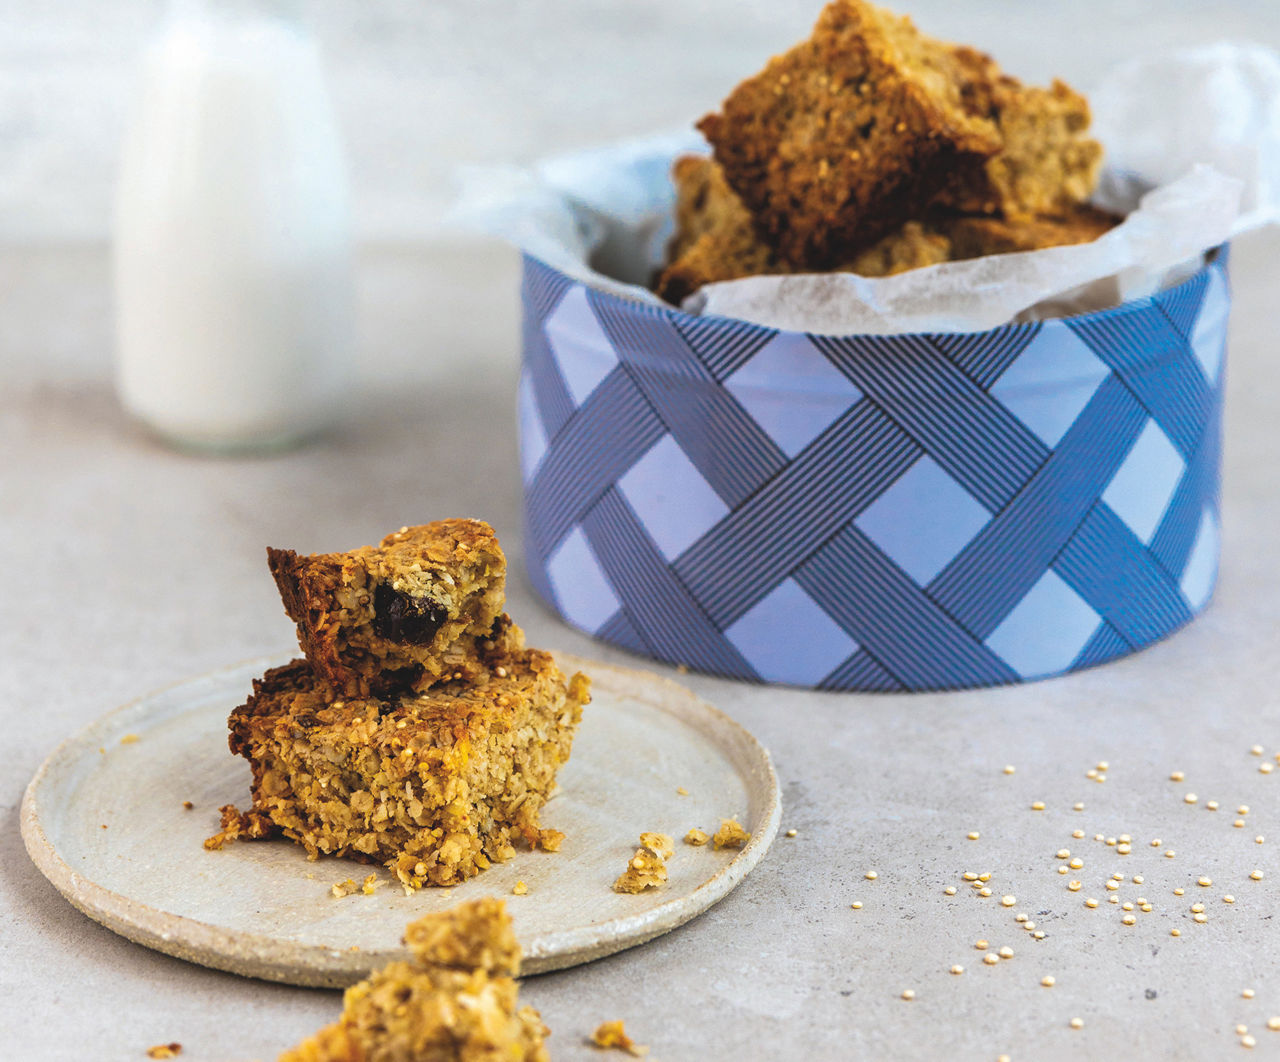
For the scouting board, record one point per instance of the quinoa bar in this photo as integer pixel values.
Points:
(973, 237)
(715, 239)
(435, 785)
(1047, 164)
(843, 138)
(402, 614)
(456, 1000)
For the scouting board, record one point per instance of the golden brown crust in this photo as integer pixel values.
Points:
(403, 614)
(974, 237)
(435, 785)
(840, 140)
(421, 1011)
(716, 241)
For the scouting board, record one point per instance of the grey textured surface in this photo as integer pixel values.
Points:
(129, 566)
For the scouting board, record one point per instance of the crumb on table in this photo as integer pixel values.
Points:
(187, 805)
(343, 888)
(697, 837)
(129, 739)
(172, 1050)
(611, 1034)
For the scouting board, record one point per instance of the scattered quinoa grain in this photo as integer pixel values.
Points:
(1048, 980)
(1062, 870)
(1212, 805)
(1076, 864)
(1138, 879)
(973, 835)
(1006, 952)
(1078, 806)
(1038, 934)
(1259, 839)
(791, 833)
(1256, 875)
(1063, 853)
(1201, 918)
(984, 891)
(1091, 902)
(969, 875)
(1204, 882)
(1028, 926)
(908, 994)
(1190, 798)
(990, 958)
(1076, 1023)
(1247, 1041)
(1156, 842)
(1021, 916)
(1256, 750)
(957, 969)
(1128, 919)
(1273, 1024)
(1169, 853)
(1008, 901)
(856, 905)
(1228, 898)
(1176, 776)
(1146, 908)
(1113, 898)
(950, 890)
(981, 945)
(1179, 891)
(1077, 834)
(1111, 886)
(1238, 824)
(871, 875)
(1266, 768)
(1009, 769)
(1243, 809)
(1246, 993)
(1241, 1029)
(1074, 886)
(1175, 932)
(1037, 805)
(1127, 905)
(1196, 908)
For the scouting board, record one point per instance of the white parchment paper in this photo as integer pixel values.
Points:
(1193, 158)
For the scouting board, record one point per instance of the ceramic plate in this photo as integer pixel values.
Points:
(104, 820)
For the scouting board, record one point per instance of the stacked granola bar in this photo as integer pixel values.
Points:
(418, 731)
(872, 148)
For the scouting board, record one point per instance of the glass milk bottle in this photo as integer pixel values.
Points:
(232, 245)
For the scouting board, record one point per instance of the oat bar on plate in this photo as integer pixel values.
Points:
(402, 614)
(434, 785)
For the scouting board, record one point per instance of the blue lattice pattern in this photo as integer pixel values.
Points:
(873, 512)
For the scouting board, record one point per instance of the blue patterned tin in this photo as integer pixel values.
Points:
(907, 512)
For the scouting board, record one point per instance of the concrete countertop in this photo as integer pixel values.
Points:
(132, 566)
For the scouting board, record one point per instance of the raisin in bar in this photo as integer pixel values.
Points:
(402, 614)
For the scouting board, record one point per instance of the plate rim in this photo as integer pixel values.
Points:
(261, 956)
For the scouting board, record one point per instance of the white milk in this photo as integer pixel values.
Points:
(232, 251)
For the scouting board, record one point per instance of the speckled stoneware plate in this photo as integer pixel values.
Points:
(104, 821)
